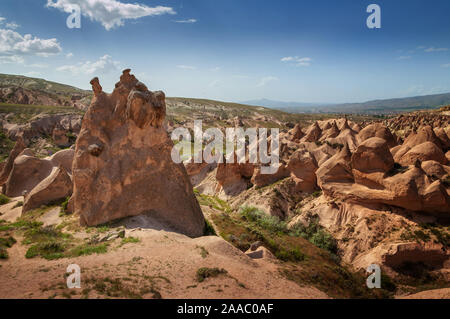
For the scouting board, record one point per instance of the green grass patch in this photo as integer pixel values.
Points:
(6, 242)
(6, 145)
(4, 199)
(49, 242)
(213, 202)
(87, 249)
(130, 240)
(205, 272)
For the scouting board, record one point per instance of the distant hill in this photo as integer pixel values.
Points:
(18, 89)
(282, 105)
(39, 84)
(397, 105)
(393, 105)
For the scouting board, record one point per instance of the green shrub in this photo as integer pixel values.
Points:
(64, 205)
(267, 222)
(4, 244)
(4, 199)
(315, 234)
(130, 240)
(49, 250)
(204, 272)
(87, 249)
(18, 204)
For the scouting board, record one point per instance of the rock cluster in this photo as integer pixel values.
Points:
(368, 165)
(40, 181)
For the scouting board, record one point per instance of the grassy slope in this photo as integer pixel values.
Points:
(39, 84)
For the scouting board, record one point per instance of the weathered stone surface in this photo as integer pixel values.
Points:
(373, 155)
(59, 137)
(28, 170)
(134, 173)
(56, 186)
(377, 130)
(302, 167)
(18, 148)
(427, 151)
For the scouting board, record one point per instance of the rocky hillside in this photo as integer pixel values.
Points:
(17, 89)
(380, 198)
(99, 188)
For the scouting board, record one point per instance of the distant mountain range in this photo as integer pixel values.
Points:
(25, 90)
(279, 104)
(396, 105)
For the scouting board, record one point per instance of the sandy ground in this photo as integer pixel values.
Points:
(166, 259)
(430, 294)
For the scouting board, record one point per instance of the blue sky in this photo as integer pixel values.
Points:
(236, 50)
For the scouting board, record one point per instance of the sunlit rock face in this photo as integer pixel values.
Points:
(123, 165)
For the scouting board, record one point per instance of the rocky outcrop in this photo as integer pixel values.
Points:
(427, 151)
(28, 171)
(302, 167)
(44, 125)
(373, 155)
(377, 130)
(18, 148)
(123, 165)
(57, 186)
(296, 133)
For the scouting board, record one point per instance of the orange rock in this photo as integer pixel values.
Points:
(130, 171)
(423, 152)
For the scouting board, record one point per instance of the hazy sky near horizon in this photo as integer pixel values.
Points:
(235, 50)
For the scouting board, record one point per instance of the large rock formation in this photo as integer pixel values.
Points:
(123, 165)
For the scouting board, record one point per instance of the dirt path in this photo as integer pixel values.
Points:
(162, 263)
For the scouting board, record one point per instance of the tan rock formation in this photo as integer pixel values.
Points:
(302, 167)
(18, 148)
(373, 155)
(427, 151)
(123, 165)
(54, 187)
(28, 171)
(377, 130)
(296, 133)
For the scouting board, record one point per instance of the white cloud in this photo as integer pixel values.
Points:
(266, 80)
(37, 65)
(69, 55)
(216, 69)
(12, 25)
(446, 65)
(186, 67)
(110, 13)
(404, 57)
(2, 20)
(186, 21)
(13, 43)
(103, 65)
(297, 60)
(433, 49)
(15, 59)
